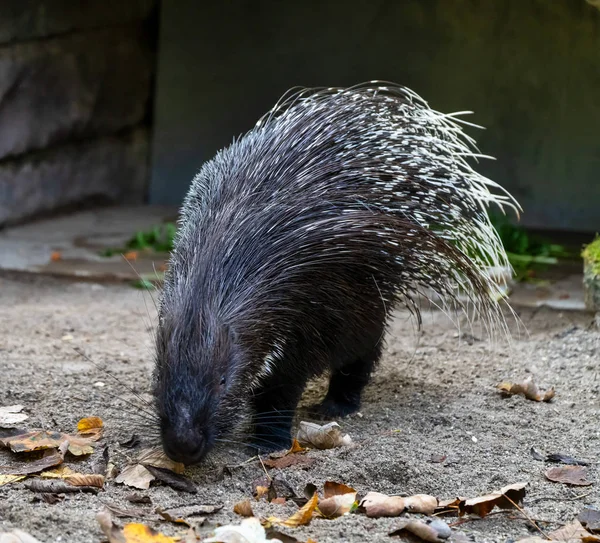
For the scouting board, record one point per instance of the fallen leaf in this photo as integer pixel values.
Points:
(273, 488)
(338, 505)
(376, 505)
(131, 533)
(90, 427)
(570, 475)
(537, 455)
(327, 436)
(17, 536)
(172, 479)
(86, 479)
(132, 442)
(49, 498)
(243, 509)
(50, 458)
(564, 459)
(282, 462)
(183, 514)
(331, 488)
(120, 512)
(11, 415)
(136, 476)
(138, 498)
(158, 459)
(301, 517)
(296, 447)
(249, 531)
(503, 499)
(528, 389)
(100, 462)
(573, 532)
(279, 501)
(34, 441)
(451, 506)
(57, 486)
(7, 479)
(434, 530)
(437, 458)
(55, 256)
(590, 518)
(59, 473)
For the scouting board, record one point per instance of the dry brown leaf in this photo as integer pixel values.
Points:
(573, 532)
(339, 499)
(59, 473)
(327, 436)
(131, 533)
(376, 505)
(336, 506)
(482, 505)
(157, 458)
(49, 459)
(7, 479)
(590, 518)
(86, 479)
(136, 476)
(11, 415)
(57, 486)
(301, 517)
(188, 513)
(296, 447)
(331, 488)
(91, 427)
(528, 389)
(450, 506)
(279, 501)
(55, 256)
(34, 441)
(434, 531)
(249, 531)
(421, 503)
(243, 509)
(569, 475)
(17, 536)
(172, 479)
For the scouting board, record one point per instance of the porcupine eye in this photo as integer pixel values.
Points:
(223, 381)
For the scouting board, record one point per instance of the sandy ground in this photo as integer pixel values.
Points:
(438, 392)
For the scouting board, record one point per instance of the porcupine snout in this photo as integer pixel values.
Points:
(184, 439)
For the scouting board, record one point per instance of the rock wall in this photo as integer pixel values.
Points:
(75, 89)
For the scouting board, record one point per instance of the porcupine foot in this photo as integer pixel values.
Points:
(346, 386)
(274, 408)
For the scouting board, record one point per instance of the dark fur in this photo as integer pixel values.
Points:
(289, 249)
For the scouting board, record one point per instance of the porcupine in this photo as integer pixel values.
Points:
(297, 241)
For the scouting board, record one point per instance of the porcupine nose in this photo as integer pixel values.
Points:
(186, 446)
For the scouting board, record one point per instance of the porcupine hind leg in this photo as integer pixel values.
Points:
(347, 383)
(274, 406)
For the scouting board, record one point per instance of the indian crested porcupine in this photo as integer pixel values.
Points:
(295, 244)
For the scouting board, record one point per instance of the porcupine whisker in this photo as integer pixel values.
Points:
(141, 413)
(150, 412)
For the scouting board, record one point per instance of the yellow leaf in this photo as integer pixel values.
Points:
(59, 473)
(90, 426)
(303, 515)
(140, 533)
(7, 479)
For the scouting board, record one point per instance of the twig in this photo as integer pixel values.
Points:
(520, 509)
(264, 468)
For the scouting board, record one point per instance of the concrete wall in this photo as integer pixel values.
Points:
(76, 78)
(530, 69)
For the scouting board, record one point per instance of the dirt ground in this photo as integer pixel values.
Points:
(438, 392)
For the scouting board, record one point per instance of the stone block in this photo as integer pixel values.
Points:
(72, 87)
(112, 168)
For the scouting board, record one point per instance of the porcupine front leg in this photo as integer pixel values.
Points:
(346, 385)
(274, 408)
